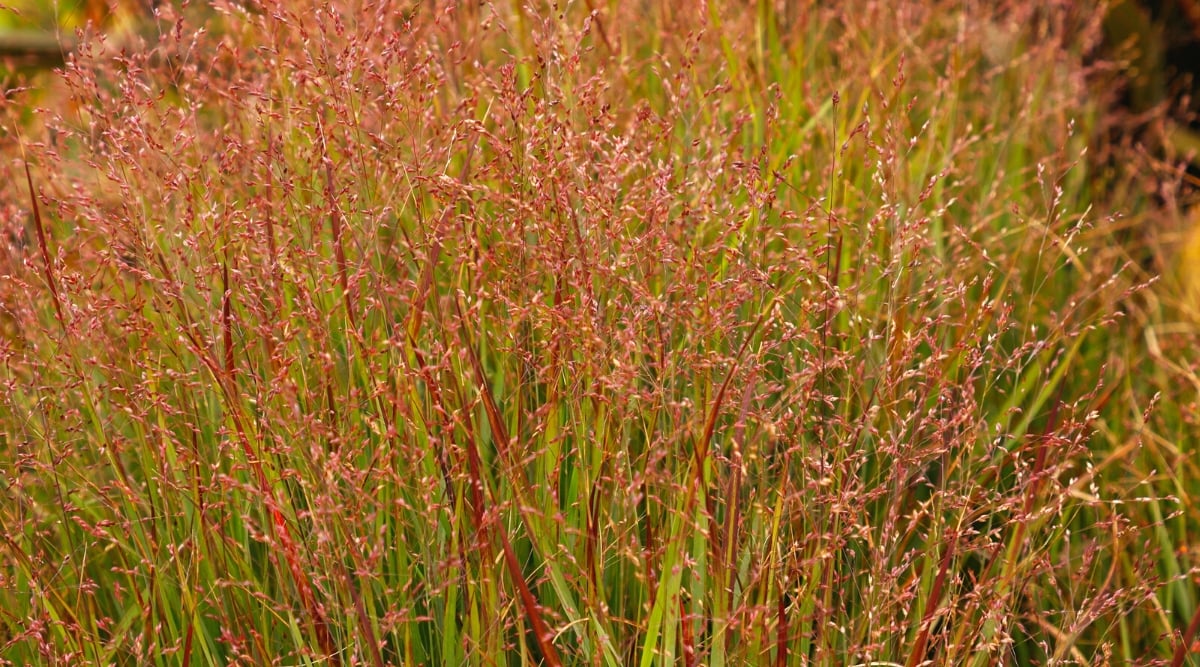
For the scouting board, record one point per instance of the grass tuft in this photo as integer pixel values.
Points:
(369, 333)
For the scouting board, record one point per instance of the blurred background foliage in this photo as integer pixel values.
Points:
(36, 34)
(1156, 49)
(66, 15)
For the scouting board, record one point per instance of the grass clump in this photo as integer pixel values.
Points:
(367, 333)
